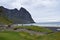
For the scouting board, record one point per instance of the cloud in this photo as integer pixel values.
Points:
(11, 4)
(46, 3)
(45, 19)
(16, 4)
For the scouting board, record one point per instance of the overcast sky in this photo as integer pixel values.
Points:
(40, 10)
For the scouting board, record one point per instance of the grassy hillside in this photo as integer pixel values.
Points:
(4, 20)
(26, 36)
(53, 36)
(34, 28)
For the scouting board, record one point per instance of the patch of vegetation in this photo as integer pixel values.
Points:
(4, 20)
(35, 28)
(10, 35)
(53, 36)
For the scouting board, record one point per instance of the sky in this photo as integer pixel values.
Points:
(40, 10)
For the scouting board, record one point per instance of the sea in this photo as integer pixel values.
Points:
(44, 24)
(49, 24)
(54, 26)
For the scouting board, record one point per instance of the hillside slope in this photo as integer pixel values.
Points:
(5, 21)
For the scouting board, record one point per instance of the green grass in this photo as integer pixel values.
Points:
(53, 36)
(10, 35)
(4, 20)
(35, 28)
(16, 36)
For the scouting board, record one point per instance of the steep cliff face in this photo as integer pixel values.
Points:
(16, 16)
(25, 15)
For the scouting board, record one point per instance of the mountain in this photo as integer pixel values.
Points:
(15, 16)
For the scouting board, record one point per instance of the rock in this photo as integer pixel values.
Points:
(21, 16)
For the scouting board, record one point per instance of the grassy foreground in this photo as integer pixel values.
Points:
(26, 36)
(23, 35)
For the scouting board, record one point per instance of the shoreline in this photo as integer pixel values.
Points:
(53, 28)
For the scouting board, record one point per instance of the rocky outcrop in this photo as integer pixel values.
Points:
(16, 16)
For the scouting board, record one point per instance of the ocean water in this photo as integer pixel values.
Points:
(54, 26)
(47, 24)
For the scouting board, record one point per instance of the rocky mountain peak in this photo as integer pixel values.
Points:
(17, 16)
